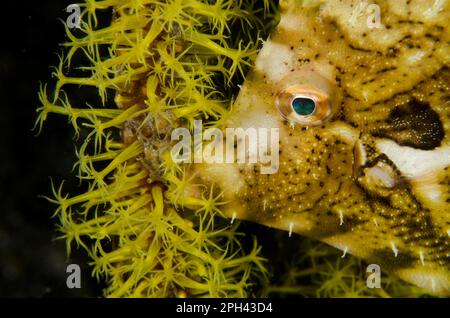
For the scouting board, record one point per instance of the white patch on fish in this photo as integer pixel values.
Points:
(275, 60)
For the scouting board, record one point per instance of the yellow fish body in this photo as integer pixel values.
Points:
(362, 110)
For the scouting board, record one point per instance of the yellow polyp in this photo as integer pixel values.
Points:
(159, 252)
(158, 200)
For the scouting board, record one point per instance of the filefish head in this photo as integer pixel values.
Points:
(361, 109)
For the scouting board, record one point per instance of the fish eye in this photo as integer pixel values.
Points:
(306, 97)
(305, 105)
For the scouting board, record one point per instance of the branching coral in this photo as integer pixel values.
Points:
(134, 235)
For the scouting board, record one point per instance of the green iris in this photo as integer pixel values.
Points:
(303, 106)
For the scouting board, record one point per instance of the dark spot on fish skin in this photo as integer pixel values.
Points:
(414, 124)
(358, 49)
(386, 69)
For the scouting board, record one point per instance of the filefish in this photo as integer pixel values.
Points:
(362, 109)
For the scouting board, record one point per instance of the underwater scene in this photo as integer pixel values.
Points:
(228, 149)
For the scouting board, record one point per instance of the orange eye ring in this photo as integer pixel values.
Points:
(306, 100)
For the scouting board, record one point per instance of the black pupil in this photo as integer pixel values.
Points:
(303, 106)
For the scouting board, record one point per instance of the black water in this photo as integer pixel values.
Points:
(31, 263)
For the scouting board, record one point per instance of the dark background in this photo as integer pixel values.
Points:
(32, 263)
